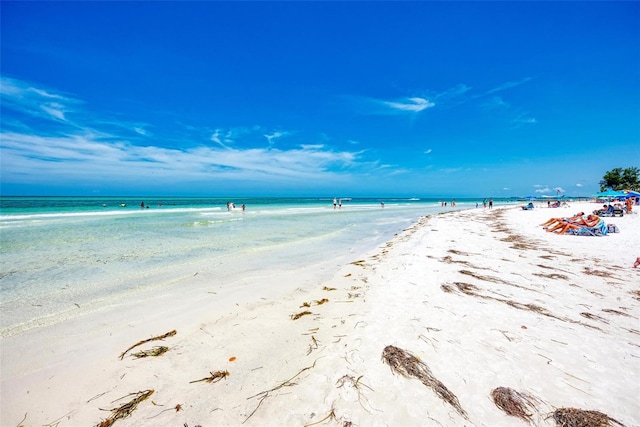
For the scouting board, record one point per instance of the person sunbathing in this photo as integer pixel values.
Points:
(591, 221)
(556, 221)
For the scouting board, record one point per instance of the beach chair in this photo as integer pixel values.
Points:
(600, 229)
(611, 211)
(528, 207)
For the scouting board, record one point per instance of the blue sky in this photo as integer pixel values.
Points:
(426, 99)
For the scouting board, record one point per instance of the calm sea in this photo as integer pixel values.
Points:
(58, 254)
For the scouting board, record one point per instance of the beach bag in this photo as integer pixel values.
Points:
(612, 228)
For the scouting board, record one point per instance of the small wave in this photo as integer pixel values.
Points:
(123, 212)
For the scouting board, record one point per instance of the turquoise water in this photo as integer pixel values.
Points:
(58, 253)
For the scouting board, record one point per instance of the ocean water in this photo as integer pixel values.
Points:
(58, 254)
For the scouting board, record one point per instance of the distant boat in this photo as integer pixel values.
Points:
(123, 205)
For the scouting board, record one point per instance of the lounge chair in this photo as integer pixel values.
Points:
(600, 229)
(610, 211)
(528, 207)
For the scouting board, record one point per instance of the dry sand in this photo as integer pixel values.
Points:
(463, 303)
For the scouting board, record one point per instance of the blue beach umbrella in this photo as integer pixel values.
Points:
(610, 193)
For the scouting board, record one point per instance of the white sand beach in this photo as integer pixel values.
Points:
(469, 301)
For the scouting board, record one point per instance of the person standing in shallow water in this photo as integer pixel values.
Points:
(490, 203)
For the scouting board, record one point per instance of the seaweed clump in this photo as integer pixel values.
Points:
(572, 417)
(406, 364)
(513, 403)
(126, 409)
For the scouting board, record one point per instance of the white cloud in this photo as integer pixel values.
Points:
(496, 102)
(275, 135)
(508, 85)
(455, 92)
(68, 152)
(141, 131)
(428, 151)
(55, 110)
(578, 185)
(523, 119)
(543, 189)
(414, 105)
(82, 157)
(23, 98)
(216, 137)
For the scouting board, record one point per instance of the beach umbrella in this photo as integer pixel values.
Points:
(633, 194)
(610, 193)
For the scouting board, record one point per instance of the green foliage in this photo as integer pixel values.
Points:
(621, 179)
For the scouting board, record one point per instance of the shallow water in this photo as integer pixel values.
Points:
(59, 254)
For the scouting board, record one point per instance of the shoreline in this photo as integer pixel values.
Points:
(484, 298)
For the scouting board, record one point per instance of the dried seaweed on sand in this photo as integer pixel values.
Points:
(406, 364)
(214, 378)
(264, 394)
(513, 403)
(154, 352)
(159, 337)
(299, 315)
(572, 417)
(598, 273)
(126, 409)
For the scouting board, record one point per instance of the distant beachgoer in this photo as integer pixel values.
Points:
(637, 263)
(484, 203)
(141, 205)
(382, 204)
(453, 203)
(335, 202)
(476, 205)
(243, 207)
(340, 203)
(490, 203)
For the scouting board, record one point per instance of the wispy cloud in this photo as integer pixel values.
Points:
(28, 100)
(375, 106)
(451, 97)
(541, 188)
(413, 105)
(428, 151)
(508, 85)
(99, 149)
(271, 138)
(545, 189)
(523, 119)
(496, 102)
